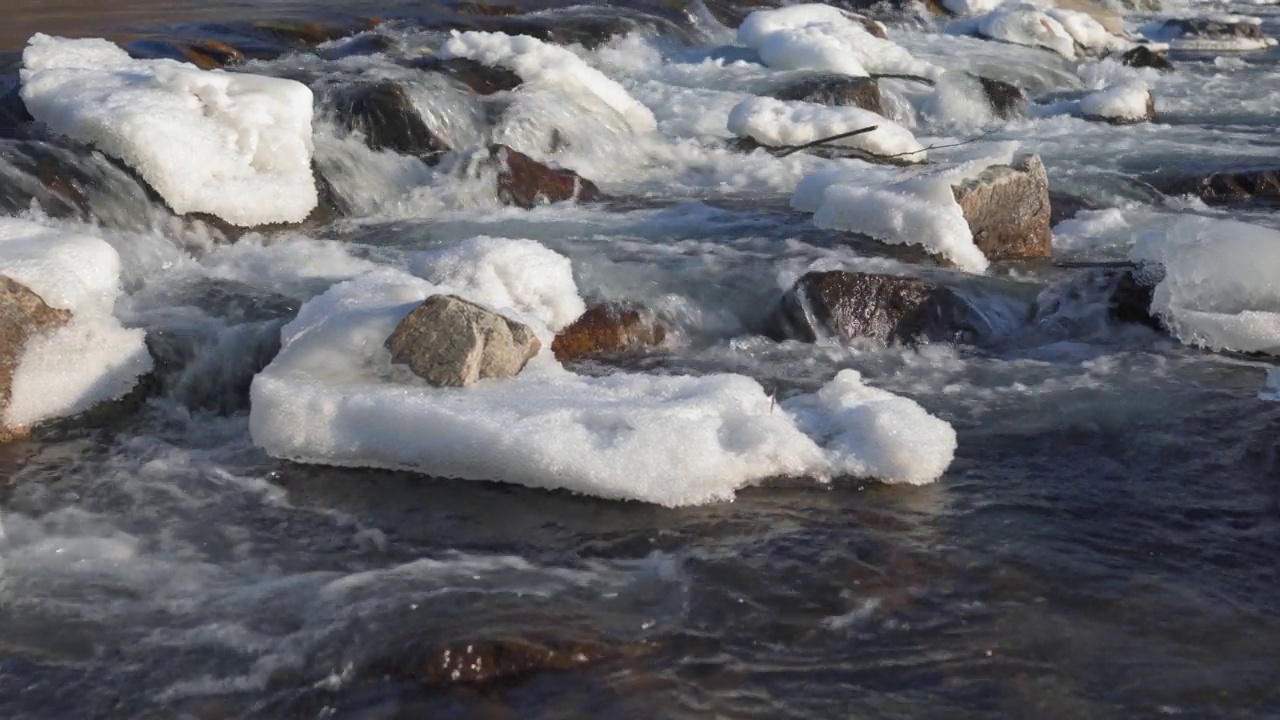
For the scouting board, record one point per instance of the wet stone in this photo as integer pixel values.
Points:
(450, 342)
(608, 329)
(385, 114)
(1145, 57)
(1007, 208)
(833, 89)
(1007, 100)
(527, 183)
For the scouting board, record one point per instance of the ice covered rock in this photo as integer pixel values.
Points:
(1143, 56)
(1007, 209)
(384, 113)
(527, 183)
(1129, 101)
(332, 396)
(776, 123)
(450, 342)
(849, 306)
(1089, 34)
(607, 329)
(537, 62)
(1019, 24)
(1108, 19)
(833, 89)
(821, 37)
(61, 350)
(1220, 33)
(232, 145)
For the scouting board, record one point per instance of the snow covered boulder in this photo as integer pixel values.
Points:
(1007, 209)
(450, 342)
(607, 329)
(775, 123)
(332, 396)
(61, 350)
(1123, 103)
(821, 37)
(235, 146)
(1019, 24)
(850, 306)
(833, 89)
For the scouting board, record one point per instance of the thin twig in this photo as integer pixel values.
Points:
(820, 141)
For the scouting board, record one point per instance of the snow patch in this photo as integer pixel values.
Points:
(332, 396)
(1020, 24)
(233, 145)
(1127, 101)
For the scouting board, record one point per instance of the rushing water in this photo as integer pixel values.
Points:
(1103, 546)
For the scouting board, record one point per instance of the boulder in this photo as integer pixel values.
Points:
(311, 34)
(833, 89)
(1064, 206)
(480, 78)
(451, 342)
(484, 661)
(527, 183)
(1007, 100)
(23, 315)
(1240, 34)
(1144, 57)
(1239, 187)
(1007, 208)
(608, 329)
(385, 114)
(849, 306)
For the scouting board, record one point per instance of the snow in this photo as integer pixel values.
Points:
(778, 123)
(233, 145)
(971, 7)
(538, 62)
(821, 37)
(1180, 38)
(91, 358)
(1125, 101)
(1219, 289)
(331, 396)
(1088, 32)
(1020, 24)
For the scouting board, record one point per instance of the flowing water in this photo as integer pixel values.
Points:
(1104, 545)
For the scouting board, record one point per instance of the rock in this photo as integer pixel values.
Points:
(527, 183)
(1102, 106)
(484, 662)
(450, 342)
(1007, 100)
(1236, 34)
(23, 315)
(607, 329)
(362, 45)
(311, 33)
(13, 112)
(1129, 298)
(833, 89)
(731, 13)
(71, 182)
(1007, 208)
(385, 114)
(1110, 20)
(1144, 57)
(1063, 206)
(1241, 187)
(1124, 290)
(481, 79)
(849, 306)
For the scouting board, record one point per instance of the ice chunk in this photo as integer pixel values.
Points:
(331, 396)
(1127, 101)
(1088, 32)
(778, 124)
(91, 358)
(537, 62)
(233, 145)
(1219, 289)
(821, 37)
(1020, 24)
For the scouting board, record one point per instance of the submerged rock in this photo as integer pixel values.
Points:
(451, 342)
(527, 183)
(1007, 208)
(833, 89)
(385, 114)
(479, 78)
(607, 329)
(849, 306)
(1007, 100)
(1124, 293)
(23, 315)
(1239, 187)
(1144, 57)
(485, 661)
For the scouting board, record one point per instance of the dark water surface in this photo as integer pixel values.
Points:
(1105, 545)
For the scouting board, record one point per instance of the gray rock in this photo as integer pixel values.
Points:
(834, 89)
(450, 342)
(23, 315)
(891, 309)
(1007, 208)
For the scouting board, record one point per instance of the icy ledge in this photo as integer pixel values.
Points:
(90, 358)
(332, 397)
(233, 145)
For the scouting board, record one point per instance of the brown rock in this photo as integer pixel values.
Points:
(486, 661)
(305, 33)
(450, 342)
(607, 329)
(211, 54)
(891, 309)
(834, 89)
(1007, 208)
(527, 183)
(1006, 100)
(1261, 187)
(23, 315)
